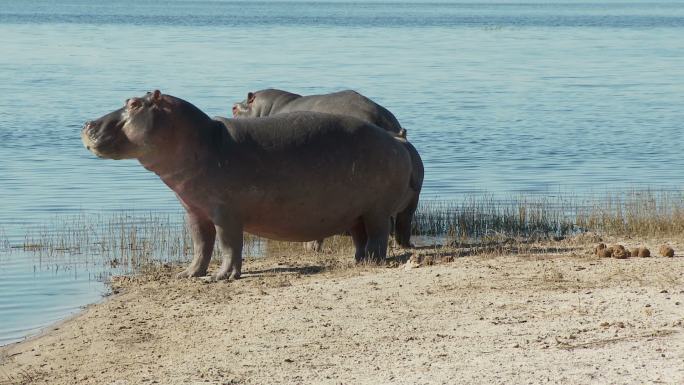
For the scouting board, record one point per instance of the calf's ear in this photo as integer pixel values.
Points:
(250, 97)
(156, 95)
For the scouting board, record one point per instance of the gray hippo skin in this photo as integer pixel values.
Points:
(295, 177)
(349, 103)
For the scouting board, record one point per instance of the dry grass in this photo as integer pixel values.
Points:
(477, 225)
(649, 213)
(483, 217)
(636, 213)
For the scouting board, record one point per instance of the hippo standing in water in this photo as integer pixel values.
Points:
(294, 177)
(349, 103)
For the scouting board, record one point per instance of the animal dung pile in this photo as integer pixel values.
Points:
(602, 251)
(640, 252)
(618, 251)
(666, 251)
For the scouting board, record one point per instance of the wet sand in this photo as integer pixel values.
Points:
(547, 314)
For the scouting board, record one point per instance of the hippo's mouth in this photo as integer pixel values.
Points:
(105, 147)
(94, 146)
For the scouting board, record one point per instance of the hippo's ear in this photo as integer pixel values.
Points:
(250, 97)
(156, 95)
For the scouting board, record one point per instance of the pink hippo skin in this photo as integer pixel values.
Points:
(296, 177)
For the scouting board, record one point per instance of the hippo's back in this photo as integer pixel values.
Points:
(348, 103)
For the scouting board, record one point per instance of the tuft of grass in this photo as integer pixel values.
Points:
(483, 217)
(635, 213)
(5, 244)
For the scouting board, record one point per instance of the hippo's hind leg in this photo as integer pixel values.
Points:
(230, 236)
(203, 235)
(377, 230)
(402, 230)
(358, 234)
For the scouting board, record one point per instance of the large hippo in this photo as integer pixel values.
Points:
(295, 177)
(269, 102)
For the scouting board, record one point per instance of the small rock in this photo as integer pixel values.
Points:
(644, 252)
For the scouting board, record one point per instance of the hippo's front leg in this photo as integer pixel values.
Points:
(230, 236)
(203, 236)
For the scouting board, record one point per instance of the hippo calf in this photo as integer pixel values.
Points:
(349, 103)
(296, 177)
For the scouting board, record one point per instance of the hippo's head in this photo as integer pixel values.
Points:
(150, 125)
(124, 133)
(245, 108)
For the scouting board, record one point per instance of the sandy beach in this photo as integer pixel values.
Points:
(551, 313)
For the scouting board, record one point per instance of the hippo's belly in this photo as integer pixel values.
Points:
(297, 234)
(302, 222)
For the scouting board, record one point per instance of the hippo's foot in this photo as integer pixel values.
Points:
(192, 272)
(227, 273)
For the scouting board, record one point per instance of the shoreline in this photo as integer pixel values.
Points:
(485, 318)
(41, 331)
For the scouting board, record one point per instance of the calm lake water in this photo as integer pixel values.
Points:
(503, 97)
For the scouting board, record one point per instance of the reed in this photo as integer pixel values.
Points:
(5, 244)
(653, 213)
(128, 240)
(481, 217)
(635, 213)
